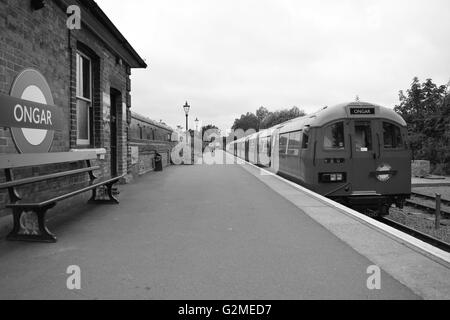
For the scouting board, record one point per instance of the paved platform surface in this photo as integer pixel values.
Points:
(192, 232)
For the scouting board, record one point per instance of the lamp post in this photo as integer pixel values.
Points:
(186, 108)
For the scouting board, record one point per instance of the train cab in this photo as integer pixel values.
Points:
(361, 156)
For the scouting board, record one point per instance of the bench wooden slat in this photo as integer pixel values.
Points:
(21, 182)
(93, 185)
(36, 159)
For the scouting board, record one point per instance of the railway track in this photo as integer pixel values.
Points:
(428, 203)
(417, 234)
(429, 197)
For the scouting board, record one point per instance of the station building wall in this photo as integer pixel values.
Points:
(146, 138)
(40, 39)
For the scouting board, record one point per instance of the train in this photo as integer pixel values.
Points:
(354, 153)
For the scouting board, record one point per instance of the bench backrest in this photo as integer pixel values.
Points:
(12, 161)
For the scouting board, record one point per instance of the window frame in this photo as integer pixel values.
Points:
(400, 146)
(371, 126)
(333, 149)
(79, 96)
(298, 147)
(284, 153)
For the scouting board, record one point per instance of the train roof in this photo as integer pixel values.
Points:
(342, 111)
(349, 110)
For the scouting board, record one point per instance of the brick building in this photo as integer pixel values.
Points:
(88, 75)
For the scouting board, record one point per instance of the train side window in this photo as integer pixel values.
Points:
(334, 136)
(264, 145)
(294, 143)
(283, 143)
(392, 136)
(261, 144)
(363, 136)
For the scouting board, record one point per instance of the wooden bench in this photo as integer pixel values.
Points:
(23, 207)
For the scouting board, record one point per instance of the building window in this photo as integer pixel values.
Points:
(84, 99)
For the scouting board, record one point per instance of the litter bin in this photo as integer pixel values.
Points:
(158, 162)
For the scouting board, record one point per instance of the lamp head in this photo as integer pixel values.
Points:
(186, 108)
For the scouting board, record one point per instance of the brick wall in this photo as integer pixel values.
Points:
(146, 154)
(40, 40)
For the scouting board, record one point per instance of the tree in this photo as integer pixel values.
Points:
(426, 109)
(261, 113)
(209, 127)
(280, 116)
(246, 122)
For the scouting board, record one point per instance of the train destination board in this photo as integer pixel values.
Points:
(362, 111)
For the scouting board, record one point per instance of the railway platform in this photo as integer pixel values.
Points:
(431, 182)
(221, 232)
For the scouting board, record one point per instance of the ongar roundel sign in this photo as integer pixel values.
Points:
(30, 113)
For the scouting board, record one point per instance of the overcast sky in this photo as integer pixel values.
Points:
(227, 57)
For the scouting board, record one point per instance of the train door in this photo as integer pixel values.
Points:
(274, 150)
(364, 154)
(246, 148)
(393, 156)
(304, 152)
(293, 154)
(251, 150)
(283, 140)
(267, 151)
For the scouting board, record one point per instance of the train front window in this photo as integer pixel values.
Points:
(334, 136)
(392, 136)
(363, 136)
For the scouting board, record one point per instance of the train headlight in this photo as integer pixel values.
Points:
(332, 177)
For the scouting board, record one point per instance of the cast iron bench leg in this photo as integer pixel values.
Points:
(36, 232)
(112, 199)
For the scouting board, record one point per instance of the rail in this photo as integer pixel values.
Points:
(417, 234)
